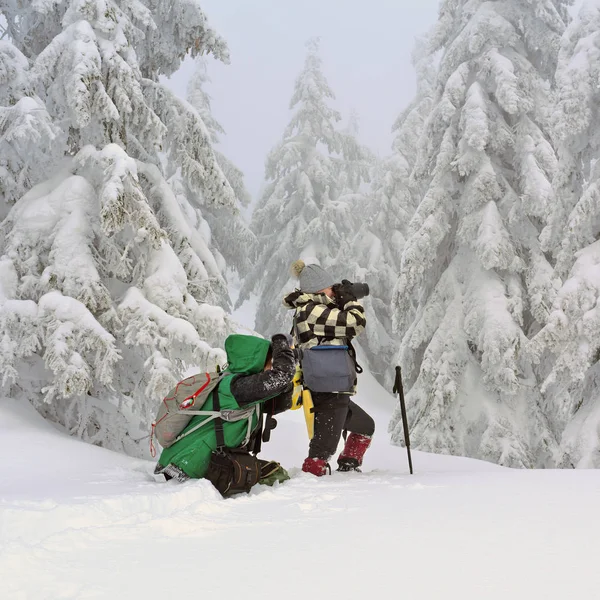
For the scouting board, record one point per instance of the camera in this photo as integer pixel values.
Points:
(358, 290)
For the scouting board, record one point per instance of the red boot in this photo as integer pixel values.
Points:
(316, 466)
(352, 455)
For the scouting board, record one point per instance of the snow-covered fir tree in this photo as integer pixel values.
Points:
(231, 236)
(378, 243)
(355, 162)
(29, 140)
(301, 214)
(473, 272)
(408, 128)
(352, 167)
(107, 288)
(568, 347)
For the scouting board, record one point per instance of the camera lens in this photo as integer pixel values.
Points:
(360, 290)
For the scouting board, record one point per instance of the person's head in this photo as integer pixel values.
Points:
(313, 279)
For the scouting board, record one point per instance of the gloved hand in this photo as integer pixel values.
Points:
(343, 293)
(288, 338)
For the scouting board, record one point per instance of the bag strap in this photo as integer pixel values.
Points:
(294, 329)
(270, 422)
(219, 434)
(218, 421)
(256, 437)
(352, 353)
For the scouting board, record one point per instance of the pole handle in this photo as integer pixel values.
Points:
(397, 380)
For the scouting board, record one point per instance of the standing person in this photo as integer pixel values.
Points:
(329, 313)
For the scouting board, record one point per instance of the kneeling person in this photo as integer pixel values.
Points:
(258, 373)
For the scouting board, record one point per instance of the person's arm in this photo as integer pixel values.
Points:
(247, 389)
(282, 402)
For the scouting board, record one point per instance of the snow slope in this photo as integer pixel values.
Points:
(80, 522)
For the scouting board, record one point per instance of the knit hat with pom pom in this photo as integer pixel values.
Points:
(312, 278)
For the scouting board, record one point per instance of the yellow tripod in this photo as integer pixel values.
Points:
(302, 397)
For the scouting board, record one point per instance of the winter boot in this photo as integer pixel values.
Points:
(316, 466)
(352, 455)
(348, 464)
(271, 472)
(171, 471)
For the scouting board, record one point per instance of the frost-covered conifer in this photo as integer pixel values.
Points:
(378, 243)
(355, 161)
(231, 235)
(108, 286)
(409, 126)
(29, 141)
(472, 266)
(568, 347)
(300, 214)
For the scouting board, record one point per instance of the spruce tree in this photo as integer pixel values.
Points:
(300, 214)
(29, 140)
(385, 215)
(231, 236)
(474, 277)
(567, 349)
(107, 288)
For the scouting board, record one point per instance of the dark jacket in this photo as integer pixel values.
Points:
(247, 389)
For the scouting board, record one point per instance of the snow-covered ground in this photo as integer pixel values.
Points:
(80, 522)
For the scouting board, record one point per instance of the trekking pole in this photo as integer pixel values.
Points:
(398, 389)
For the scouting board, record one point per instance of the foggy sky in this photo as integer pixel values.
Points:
(366, 50)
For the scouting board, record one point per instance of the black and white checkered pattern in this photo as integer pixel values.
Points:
(318, 320)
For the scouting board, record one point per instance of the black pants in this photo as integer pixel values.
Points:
(333, 414)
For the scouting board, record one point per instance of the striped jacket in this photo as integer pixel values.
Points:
(318, 320)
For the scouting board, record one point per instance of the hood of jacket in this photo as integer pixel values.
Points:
(297, 299)
(246, 354)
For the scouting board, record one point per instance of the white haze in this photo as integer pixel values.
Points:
(366, 54)
(366, 51)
